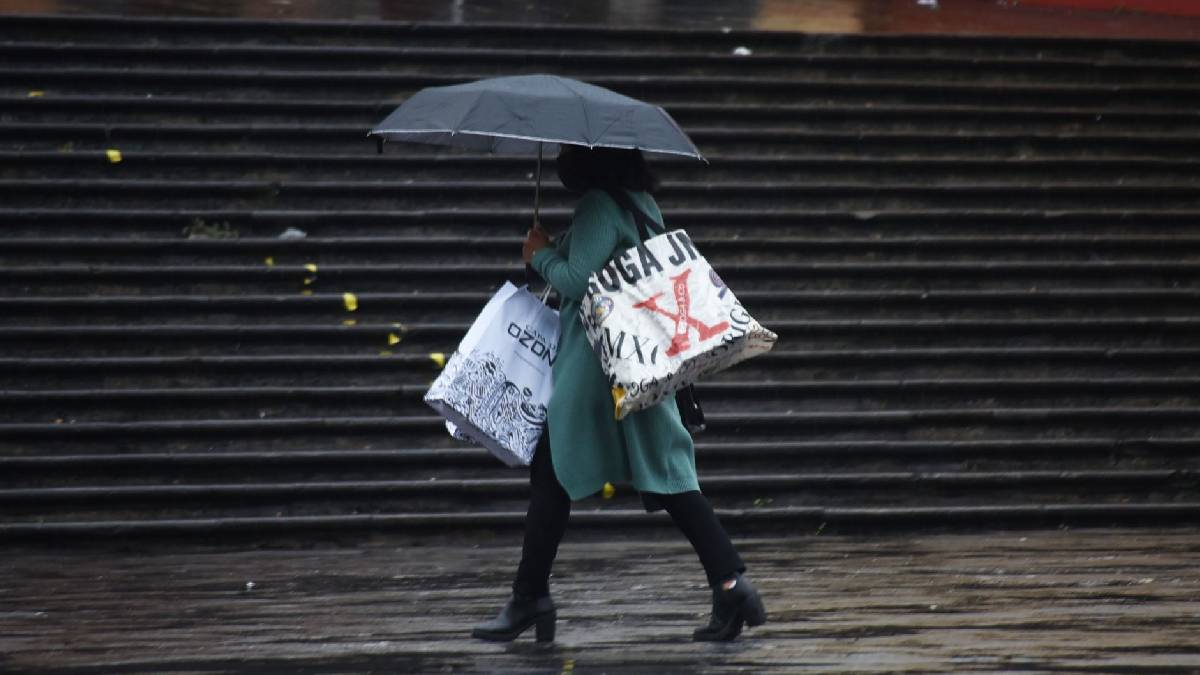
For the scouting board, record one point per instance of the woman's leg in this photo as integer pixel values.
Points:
(530, 604)
(694, 515)
(735, 600)
(545, 524)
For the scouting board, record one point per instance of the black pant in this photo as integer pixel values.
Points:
(549, 508)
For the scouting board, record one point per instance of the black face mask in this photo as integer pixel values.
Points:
(572, 170)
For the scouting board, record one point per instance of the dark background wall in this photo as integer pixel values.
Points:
(1176, 19)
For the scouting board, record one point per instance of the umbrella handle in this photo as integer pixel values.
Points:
(530, 275)
(537, 188)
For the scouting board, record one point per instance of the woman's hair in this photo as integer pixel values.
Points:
(581, 169)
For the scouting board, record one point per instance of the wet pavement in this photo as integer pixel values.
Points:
(1099, 600)
(1171, 19)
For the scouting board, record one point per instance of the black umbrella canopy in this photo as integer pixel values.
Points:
(514, 115)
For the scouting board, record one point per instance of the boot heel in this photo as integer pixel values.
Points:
(545, 627)
(753, 611)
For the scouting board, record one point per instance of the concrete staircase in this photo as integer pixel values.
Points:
(982, 256)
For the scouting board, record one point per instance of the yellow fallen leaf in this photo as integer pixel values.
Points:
(393, 339)
(349, 322)
(306, 291)
(385, 352)
(568, 665)
(308, 281)
(270, 261)
(114, 156)
(350, 300)
(609, 491)
(36, 93)
(438, 358)
(311, 267)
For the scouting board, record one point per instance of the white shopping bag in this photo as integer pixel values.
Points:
(659, 318)
(495, 388)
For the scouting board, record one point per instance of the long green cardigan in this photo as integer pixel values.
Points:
(650, 449)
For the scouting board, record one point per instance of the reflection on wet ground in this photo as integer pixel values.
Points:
(1099, 600)
(1174, 19)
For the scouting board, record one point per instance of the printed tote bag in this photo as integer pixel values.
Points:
(659, 318)
(495, 388)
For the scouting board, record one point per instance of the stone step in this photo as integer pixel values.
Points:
(366, 434)
(854, 197)
(665, 90)
(414, 306)
(470, 302)
(430, 192)
(149, 30)
(92, 165)
(143, 250)
(291, 278)
(758, 140)
(465, 222)
(146, 251)
(1097, 452)
(127, 404)
(778, 490)
(175, 110)
(584, 62)
(741, 80)
(1043, 457)
(341, 134)
(1170, 421)
(367, 339)
(66, 372)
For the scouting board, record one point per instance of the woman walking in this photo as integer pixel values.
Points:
(583, 446)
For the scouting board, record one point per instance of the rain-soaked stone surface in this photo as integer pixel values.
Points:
(1100, 600)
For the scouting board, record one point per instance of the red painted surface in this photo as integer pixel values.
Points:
(1166, 19)
(1172, 7)
(1027, 18)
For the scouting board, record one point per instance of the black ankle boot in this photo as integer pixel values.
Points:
(732, 608)
(519, 613)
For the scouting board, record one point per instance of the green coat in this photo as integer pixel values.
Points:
(650, 449)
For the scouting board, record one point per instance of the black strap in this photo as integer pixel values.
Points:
(690, 412)
(642, 220)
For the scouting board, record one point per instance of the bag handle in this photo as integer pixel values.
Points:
(644, 222)
(690, 412)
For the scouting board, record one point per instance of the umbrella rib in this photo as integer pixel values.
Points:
(474, 105)
(409, 131)
(587, 119)
(624, 114)
(513, 115)
(667, 116)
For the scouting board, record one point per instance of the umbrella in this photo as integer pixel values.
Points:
(524, 113)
